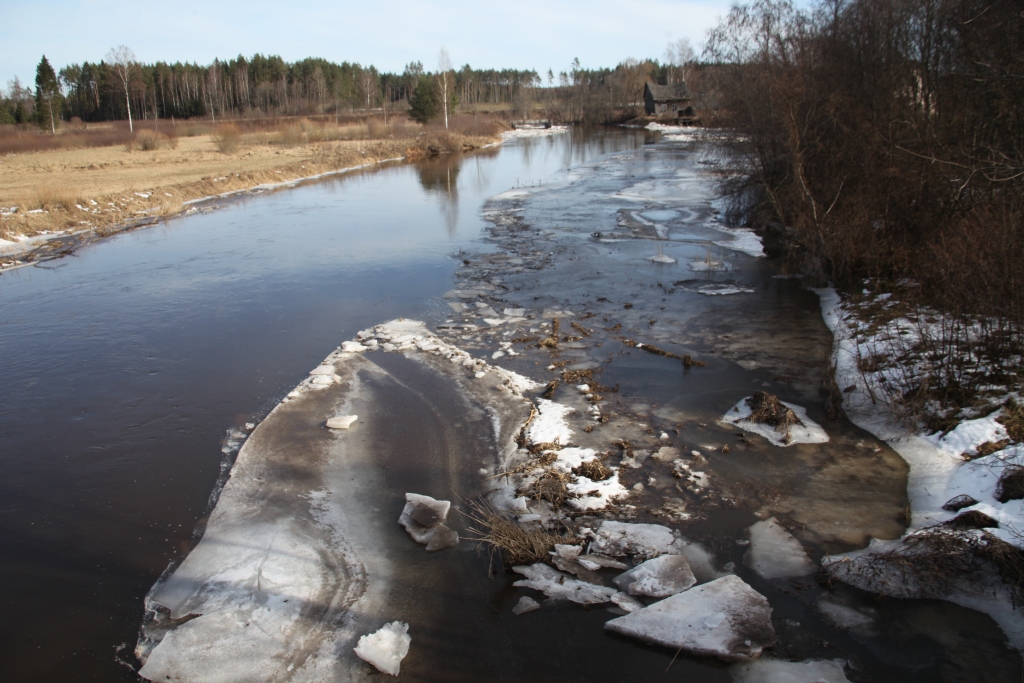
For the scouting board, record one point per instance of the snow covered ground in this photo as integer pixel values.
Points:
(941, 469)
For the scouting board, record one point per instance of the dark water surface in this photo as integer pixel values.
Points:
(124, 364)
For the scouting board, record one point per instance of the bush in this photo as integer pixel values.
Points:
(149, 140)
(228, 138)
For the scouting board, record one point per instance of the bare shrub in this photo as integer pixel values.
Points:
(148, 140)
(291, 136)
(228, 138)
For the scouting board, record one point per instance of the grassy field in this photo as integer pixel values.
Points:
(85, 187)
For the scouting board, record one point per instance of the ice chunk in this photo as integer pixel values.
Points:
(808, 432)
(641, 540)
(386, 648)
(422, 517)
(442, 538)
(600, 561)
(725, 618)
(666, 454)
(324, 369)
(627, 602)
(555, 584)
(342, 421)
(777, 671)
(841, 616)
(658, 578)
(774, 553)
(352, 347)
(525, 604)
(661, 258)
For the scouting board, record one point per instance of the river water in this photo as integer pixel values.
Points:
(126, 364)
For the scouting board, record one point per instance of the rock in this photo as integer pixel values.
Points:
(658, 578)
(386, 648)
(525, 604)
(342, 421)
(958, 503)
(725, 618)
(774, 553)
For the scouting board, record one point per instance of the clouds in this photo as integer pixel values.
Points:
(526, 34)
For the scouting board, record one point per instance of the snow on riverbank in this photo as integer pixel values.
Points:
(938, 473)
(520, 133)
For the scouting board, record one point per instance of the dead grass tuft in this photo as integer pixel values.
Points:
(514, 543)
(594, 470)
(148, 140)
(1013, 419)
(52, 196)
(550, 486)
(768, 409)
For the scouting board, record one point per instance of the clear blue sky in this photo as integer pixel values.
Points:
(525, 34)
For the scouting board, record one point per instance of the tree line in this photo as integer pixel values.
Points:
(120, 87)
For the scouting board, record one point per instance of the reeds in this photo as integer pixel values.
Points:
(514, 543)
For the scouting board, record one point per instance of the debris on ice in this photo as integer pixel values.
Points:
(386, 648)
(809, 432)
(659, 577)
(342, 421)
(725, 618)
(774, 553)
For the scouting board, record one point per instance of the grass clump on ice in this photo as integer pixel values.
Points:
(768, 409)
(515, 543)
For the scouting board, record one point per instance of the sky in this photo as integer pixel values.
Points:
(523, 34)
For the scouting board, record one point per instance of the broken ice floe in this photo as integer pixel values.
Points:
(423, 517)
(778, 671)
(808, 432)
(386, 647)
(644, 541)
(661, 258)
(725, 618)
(840, 616)
(341, 421)
(659, 577)
(557, 585)
(723, 290)
(525, 604)
(774, 553)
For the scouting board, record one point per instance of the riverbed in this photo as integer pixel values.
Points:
(135, 366)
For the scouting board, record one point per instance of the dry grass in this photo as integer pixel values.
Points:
(228, 138)
(1013, 419)
(768, 409)
(594, 470)
(149, 140)
(114, 185)
(513, 543)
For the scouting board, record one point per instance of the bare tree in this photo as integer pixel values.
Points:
(444, 81)
(679, 57)
(123, 60)
(368, 84)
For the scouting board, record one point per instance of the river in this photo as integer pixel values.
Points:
(126, 365)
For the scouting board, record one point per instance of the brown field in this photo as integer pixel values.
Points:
(153, 174)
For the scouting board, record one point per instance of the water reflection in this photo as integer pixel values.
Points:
(439, 176)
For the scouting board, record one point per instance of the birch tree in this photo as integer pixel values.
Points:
(47, 94)
(444, 82)
(122, 59)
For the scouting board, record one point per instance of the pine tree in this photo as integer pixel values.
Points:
(48, 99)
(423, 103)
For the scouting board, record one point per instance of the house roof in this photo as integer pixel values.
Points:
(668, 93)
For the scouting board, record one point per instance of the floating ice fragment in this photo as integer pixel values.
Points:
(641, 540)
(778, 671)
(658, 578)
(443, 537)
(725, 618)
(661, 258)
(555, 584)
(841, 616)
(386, 648)
(774, 553)
(525, 604)
(342, 422)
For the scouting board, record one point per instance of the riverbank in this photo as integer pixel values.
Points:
(47, 196)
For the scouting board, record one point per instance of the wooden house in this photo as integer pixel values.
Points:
(667, 100)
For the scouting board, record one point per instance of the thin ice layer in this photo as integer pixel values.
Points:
(808, 432)
(779, 671)
(774, 553)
